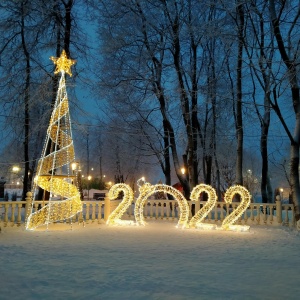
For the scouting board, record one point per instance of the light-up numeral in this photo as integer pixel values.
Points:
(241, 208)
(197, 219)
(145, 189)
(148, 190)
(115, 217)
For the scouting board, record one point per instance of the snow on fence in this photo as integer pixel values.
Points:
(14, 213)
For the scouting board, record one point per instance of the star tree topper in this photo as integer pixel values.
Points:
(63, 64)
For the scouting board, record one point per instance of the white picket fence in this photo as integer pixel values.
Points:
(14, 213)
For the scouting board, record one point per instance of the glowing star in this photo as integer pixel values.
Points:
(63, 64)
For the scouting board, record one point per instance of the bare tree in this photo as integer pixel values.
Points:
(161, 50)
(288, 47)
(22, 32)
(260, 54)
(148, 75)
(239, 97)
(30, 29)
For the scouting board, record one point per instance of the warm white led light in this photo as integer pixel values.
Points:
(59, 135)
(235, 214)
(115, 217)
(15, 169)
(147, 190)
(197, 219)
(144, 189)
(63, 64)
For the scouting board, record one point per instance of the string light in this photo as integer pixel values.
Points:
(146, 190)
(235, 214)
(60, 135)
(115, 217)
(197, 219)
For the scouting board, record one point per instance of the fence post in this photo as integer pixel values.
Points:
(278, 209)
(197, 206)
(106, 208)
(28, 200)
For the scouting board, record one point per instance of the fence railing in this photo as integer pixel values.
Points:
(14, 213)
(256, 214)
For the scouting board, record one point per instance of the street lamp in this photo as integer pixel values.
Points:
(89, 179)
(74, 166)
(281, 193)
(75, 174)
(15, 169)
(182, 171)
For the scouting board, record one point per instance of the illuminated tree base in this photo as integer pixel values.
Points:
(56, 211)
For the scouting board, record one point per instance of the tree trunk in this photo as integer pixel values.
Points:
(67, 36)
(239, 112)
(26, 181)
(294, 177)
(66, 46)
(293, 82)
(264, 169)
(186, 114)
(208, 163)
(159, 93)
(167, 164)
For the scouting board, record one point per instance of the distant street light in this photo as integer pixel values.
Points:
(89, 179)
(75, 170)
(182, 171)
(74, 166)
(15, 169)
(281, 193)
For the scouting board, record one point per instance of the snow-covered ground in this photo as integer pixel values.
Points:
(157, 261)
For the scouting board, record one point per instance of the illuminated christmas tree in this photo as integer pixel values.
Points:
(54, 172)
